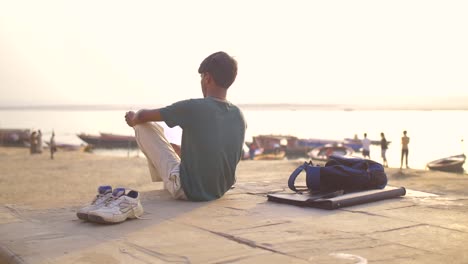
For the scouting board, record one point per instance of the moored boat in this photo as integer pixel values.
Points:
(324, 152)
(280, 155)
(107, 140)
(14, 137)
(111, 136)
(275, 143)
(297, 147)
(66, 146)
(449, 164)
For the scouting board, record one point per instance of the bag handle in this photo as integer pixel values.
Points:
(294, 175)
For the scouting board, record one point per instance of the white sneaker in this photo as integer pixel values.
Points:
(104, 193)
(118, 209)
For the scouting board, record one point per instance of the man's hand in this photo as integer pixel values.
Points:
(131, 118)
(142, 116)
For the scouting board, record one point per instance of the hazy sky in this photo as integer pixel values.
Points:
(148, 52)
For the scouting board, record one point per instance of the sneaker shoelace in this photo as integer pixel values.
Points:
(100, 198)
(112, 201)
(138, 217)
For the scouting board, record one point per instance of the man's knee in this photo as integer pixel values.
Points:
(138, 128)
(142, 127)
(148, 128)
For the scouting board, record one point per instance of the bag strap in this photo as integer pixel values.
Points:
(294, 175)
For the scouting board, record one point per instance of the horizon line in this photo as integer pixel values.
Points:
(250, 106)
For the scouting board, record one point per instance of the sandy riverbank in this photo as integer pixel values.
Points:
(72, 177)
(39, 198)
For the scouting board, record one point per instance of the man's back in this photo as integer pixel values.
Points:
(212, 139)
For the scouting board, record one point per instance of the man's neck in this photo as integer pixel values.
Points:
(218, 94)
(217, 99)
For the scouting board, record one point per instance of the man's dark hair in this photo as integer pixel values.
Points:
(221, 66)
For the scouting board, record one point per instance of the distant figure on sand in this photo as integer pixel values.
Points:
(52, 145)
(212, 137)
(404, 149)
(39, 142)
(252, 149)
(366, 146)
(33, 142)
(384, 147)
(276, 148)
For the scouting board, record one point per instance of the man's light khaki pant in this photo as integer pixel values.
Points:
(163, 162)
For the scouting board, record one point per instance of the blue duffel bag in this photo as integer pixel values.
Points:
(340, 173)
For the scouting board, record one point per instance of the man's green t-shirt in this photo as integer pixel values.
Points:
(212, 139)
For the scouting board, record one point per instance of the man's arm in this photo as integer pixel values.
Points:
(143, 116)
(147, 115)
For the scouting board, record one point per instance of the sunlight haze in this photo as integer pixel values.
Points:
(148, 52)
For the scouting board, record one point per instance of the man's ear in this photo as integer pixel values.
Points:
(208, 77)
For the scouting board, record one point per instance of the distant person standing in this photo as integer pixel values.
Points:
(52, 145)
(39, 142)
(365, 146)
(276, 148)
(404, 149)
(384, 147)
(252, 149)
(33, 142)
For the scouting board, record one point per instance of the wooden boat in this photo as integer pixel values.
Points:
(269, 143)
(280, 155)
(107, 140)
(115, 136)
(14, 137)
(66, 146)
(297, 147)
(450, 164)
(312, 143)
(324, 152)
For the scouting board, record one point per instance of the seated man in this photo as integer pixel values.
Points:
(212, 137)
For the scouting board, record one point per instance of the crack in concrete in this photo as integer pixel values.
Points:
(361, 248)
(446, 228)
(385, 260)
(124, 251)
(234, 260)
(47, 236)
(400, 244)
(448, 207)
(400, 228)
(15, 213)
(415, 248)
(169, 258)
(8, 256)
(233, 208)
(265, 225)
(427, 224)
(246, 242)
(363, 212)
(396, 208)
(423, 224)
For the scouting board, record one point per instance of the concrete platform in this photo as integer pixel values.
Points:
(243, 227)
